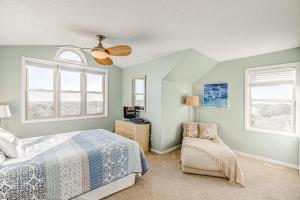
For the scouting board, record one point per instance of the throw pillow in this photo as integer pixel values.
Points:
(8, 143)
(208, 131)
(190, 130)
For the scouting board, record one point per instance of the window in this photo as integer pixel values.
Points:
(139, 93)
(94, 93)
(40, 92)
(271, 99)
(70, 93)
(70, 56)
(59, 91)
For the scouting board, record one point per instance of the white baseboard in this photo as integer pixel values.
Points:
(165, 151)
(276, 162)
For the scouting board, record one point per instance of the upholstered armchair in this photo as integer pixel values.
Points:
(203, 152)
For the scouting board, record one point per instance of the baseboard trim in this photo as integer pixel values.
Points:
(276, 162)
(261, 158)
(165, 151)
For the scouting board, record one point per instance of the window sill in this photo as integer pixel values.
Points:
(280, 133)
(63, 119)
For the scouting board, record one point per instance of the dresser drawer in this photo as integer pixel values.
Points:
(125, 128)
(137, 132)
(127, 135)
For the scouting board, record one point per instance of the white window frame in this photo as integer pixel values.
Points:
(76, 51)
(60, 91)
(296, 113)
(57, 94)
(134, 93)
(86, 92)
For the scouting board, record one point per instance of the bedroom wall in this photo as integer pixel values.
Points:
(169, 79)
(174, 112)
(176, 85)
(154, 70)
(10, 93)
(231, 121)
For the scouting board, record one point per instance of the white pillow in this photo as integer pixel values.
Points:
(2, 158)
(8, 136)
(8, 143)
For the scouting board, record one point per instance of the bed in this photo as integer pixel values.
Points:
(88, 164)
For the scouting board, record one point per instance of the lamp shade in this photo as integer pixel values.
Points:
(99, 53)
(4, 111)
(192, 100)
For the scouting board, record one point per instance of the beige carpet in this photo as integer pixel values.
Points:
(165, 181)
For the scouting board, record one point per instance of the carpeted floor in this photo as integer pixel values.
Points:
(165, 181)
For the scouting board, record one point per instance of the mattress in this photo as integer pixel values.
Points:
(66, 165)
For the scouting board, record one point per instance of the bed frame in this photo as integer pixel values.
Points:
(108, 189)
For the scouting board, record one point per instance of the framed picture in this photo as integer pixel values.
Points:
(215, 95)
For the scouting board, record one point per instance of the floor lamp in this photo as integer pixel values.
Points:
(192, 101)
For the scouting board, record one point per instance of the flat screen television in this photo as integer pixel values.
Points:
(129, 112)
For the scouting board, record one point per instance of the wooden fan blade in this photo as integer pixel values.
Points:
(106, 61)
(120, 50)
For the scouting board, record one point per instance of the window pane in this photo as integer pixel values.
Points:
(95, 103)
(139, 86)
(40, 104)
(272, 115)
(272, 92)
(139, 100)
(70, 55)
(40, 78)
(94, 82)
(70, 104)
(70, 81)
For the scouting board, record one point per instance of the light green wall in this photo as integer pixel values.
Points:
(154, 70)
(10, 93)
(169, 79)
(176, 85)
(192, 66)
(231, 121)
(174, 112)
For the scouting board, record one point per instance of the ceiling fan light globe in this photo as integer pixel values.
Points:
(96, 53)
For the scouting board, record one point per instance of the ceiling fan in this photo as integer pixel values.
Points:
(101, 54)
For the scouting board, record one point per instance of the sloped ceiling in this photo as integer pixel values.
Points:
(223, 30)
(191, 67)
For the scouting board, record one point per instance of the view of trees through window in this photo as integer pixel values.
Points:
(271, 99)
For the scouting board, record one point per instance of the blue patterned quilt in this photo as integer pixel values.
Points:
(65, 165)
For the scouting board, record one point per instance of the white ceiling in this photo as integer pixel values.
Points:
(221, 29)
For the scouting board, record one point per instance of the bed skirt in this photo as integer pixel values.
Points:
(108, 189)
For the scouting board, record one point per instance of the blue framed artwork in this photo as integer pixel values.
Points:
(215, 95)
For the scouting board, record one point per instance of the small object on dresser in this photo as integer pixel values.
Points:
(138, 121)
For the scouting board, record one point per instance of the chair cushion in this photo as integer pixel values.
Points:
(208, 131)
(193, 158)
(190, 130)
